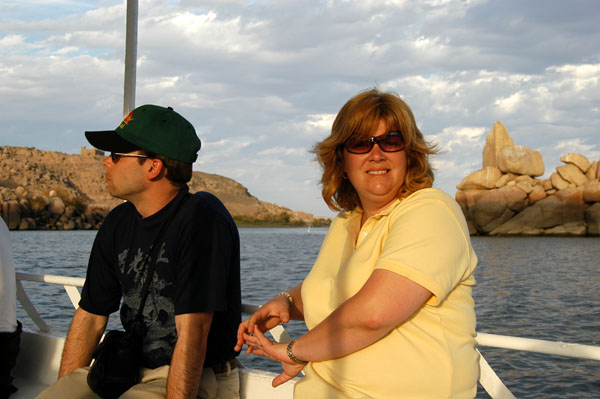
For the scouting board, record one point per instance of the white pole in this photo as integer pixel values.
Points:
(130, 56)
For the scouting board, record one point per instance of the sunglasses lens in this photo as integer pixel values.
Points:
(114, 157)
(392, 142)
(358, 146)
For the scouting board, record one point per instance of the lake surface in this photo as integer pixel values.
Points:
(537, 287)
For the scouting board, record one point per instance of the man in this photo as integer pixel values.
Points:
(10, 328)
(193, 307)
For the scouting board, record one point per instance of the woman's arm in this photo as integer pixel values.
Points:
(386, 300)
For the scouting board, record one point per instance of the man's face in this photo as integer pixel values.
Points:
(125, 175)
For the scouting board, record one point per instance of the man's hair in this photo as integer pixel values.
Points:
(359, 118)
(178, 173)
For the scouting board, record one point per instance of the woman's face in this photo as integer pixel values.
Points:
(377, 176)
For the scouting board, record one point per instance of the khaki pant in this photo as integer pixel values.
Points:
(152, 385)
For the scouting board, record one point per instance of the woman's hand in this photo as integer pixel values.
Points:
(272, 313)
(274, 351)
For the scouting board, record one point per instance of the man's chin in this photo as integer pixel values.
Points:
(116, 194)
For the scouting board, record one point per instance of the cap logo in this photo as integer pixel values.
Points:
(126, 121)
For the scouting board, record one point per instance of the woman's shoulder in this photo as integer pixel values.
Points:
(427, 200)
(425, 194)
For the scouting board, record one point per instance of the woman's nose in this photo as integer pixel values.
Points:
(376, 152)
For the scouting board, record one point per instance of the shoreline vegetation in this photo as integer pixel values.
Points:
(282, 220)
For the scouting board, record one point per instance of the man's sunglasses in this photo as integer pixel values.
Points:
(115, 156)
(391, 142)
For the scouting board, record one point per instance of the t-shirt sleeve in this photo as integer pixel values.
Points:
(206, 251)
(427, 244)
(101, 293)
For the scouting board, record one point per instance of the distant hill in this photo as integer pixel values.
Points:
(52, 190)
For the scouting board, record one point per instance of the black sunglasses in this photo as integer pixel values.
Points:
(115, 156)
(391, 142)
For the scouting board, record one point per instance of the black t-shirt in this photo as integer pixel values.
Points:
(197, 270)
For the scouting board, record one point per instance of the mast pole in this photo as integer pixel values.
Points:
(130, 56)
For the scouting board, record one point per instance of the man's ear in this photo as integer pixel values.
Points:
(156, 169)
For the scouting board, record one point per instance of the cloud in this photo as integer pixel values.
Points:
(263, 81)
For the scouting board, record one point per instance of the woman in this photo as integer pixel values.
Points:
(388, 302)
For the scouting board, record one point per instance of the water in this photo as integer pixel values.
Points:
(537, 287)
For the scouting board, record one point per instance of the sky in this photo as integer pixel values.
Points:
(262, 81)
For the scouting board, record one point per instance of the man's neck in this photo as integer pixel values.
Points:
(155, 199)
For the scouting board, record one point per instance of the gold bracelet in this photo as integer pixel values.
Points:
(291, 354)
(289, 297)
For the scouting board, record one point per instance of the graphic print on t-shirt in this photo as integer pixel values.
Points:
(159, 322)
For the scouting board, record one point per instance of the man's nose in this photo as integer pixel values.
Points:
(106, 161)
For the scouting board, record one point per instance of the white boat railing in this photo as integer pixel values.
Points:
(488, 378)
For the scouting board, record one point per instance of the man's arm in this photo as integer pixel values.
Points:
(188, 357)
(83, 337)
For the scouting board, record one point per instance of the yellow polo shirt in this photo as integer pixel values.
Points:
(432, 355)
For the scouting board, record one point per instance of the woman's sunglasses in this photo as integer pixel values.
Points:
(391, 142)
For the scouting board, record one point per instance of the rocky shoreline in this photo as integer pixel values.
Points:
(506, 198)
(47, 190)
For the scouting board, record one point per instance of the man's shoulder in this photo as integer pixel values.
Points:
(207, 204)
(120, 211)
(205, 196)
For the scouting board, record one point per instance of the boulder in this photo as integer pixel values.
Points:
(494, 207)
(591, 191)
(496, 140)
(21, 192)
(482, 179)
(506, 215)
(505, 179)
(11, 213)
(558, 182)
(547, 213)
(516, 199)
(56, 206)
(592, 219)
(593, 173)
(572, 174)
(471, 226)
(488, 208)
(520, 160)
(571, 196)
(547, 184)
(576, 159)
(467, 198)
(24, 225)
(38, 203)
(525, 183)
(568, 229)
(538, 193)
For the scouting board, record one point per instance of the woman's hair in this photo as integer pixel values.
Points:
(359, 118)
(178, 173)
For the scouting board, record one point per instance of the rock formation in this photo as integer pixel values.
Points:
(56, 191)
(506, 198)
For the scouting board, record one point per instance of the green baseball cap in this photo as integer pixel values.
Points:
(153, 128)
